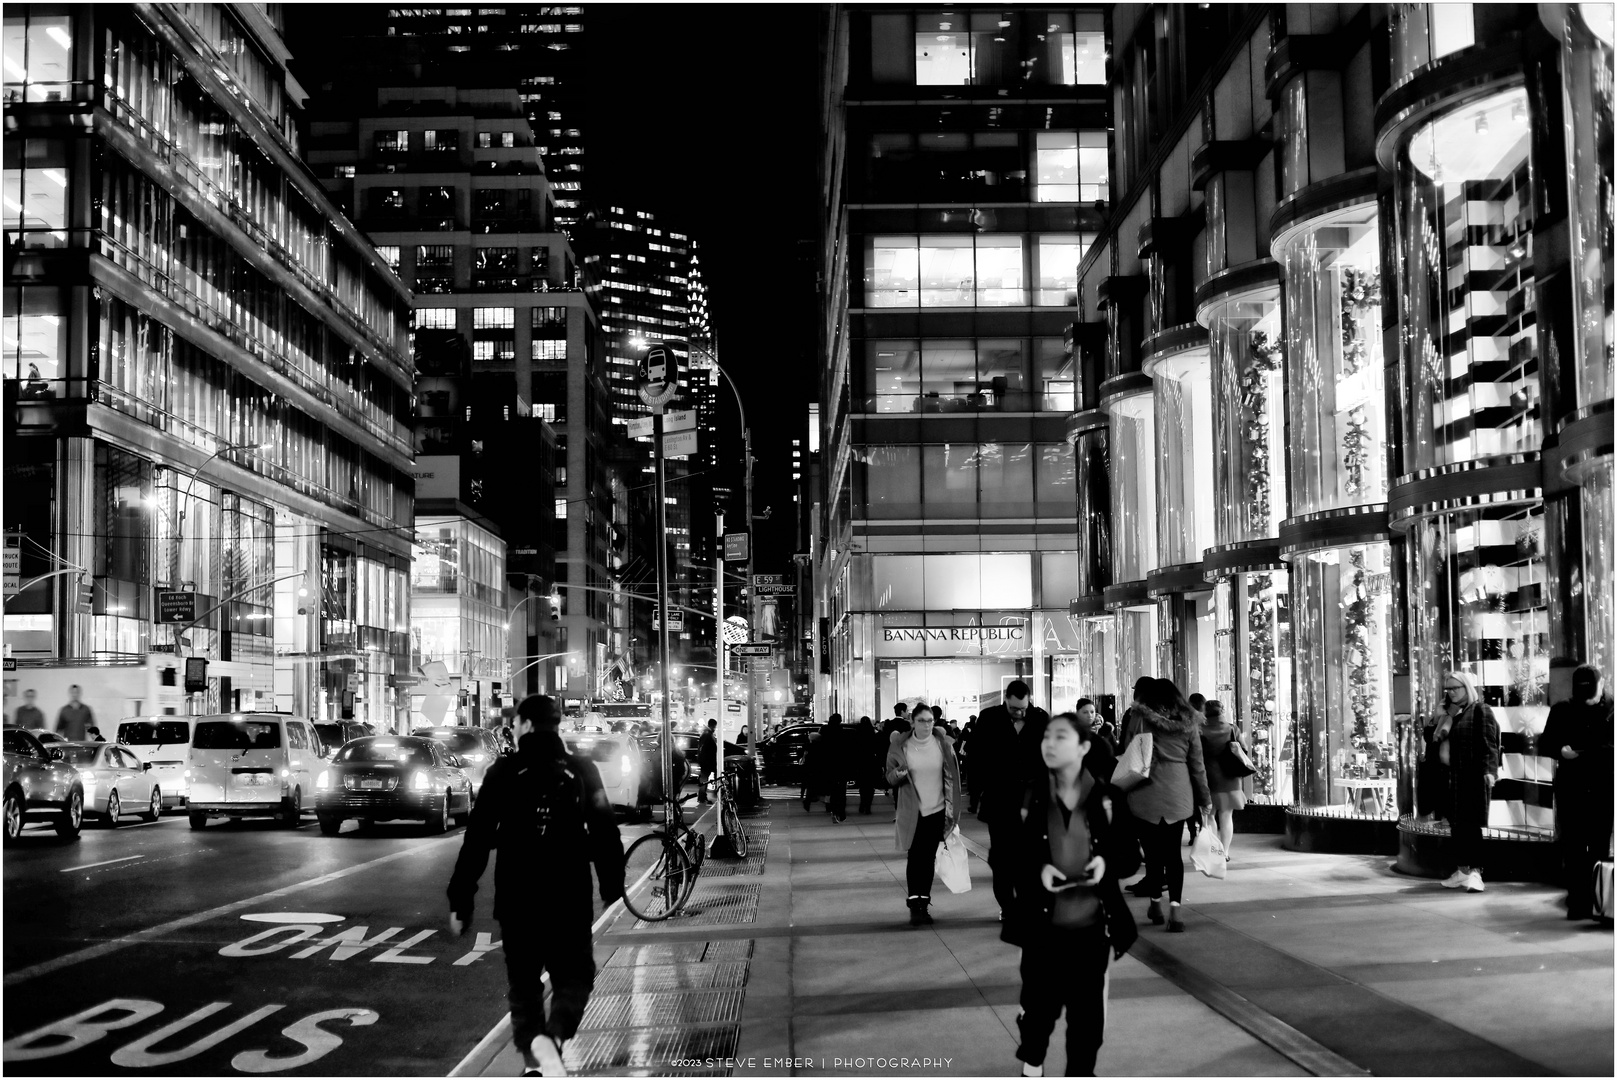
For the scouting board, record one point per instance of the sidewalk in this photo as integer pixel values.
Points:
(802, 962)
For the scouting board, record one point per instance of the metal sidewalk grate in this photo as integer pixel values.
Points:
(722, 951)
(752, 864)
(628, 1052)
(663, 1010)
(715, 904)
(651, 978)
(690, 952)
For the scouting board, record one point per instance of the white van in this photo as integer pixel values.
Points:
(164, 744)
(252, 765)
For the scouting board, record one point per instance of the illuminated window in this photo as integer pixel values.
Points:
(549, 349)
(435, 318)
(493, 318)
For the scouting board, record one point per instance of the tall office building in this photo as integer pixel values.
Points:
(1347, 426)
(964, 164)
(207, 375)
(447, 181)
(537, 49)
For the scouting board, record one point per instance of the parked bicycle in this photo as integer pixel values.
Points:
(677, 852)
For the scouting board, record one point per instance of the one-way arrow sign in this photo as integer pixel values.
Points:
(759, 648)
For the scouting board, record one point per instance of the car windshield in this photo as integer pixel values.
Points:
(459, 742)
(593, 748)
(330, 734)
(78, 755)
(393, 750)
(236, 735)
(20, 742)
(153, 732)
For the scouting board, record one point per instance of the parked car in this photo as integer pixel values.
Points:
(622, 765)
(782, 753)
(164, 743)
(391, 778)
(252, 765)
(46, 738)
(35, 787)
(334, 733)
(477, 749)
(115, 781)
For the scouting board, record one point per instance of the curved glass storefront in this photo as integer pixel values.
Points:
(1334, 368)
(1133, 480)
(1600, 619)
(1249, 456)
(1094, 505)
(1586, 81)
(1182, 401)
(1135, 648)
(1476, 603)
(1346, 758)
(1252, 613)
(1464, 257)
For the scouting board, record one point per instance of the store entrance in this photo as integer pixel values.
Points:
(961, 688)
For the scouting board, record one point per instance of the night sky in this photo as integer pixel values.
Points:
(707, 116)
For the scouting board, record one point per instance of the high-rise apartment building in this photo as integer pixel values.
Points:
(965, 166)
(536, 49)
(207, 377)
(448, 183)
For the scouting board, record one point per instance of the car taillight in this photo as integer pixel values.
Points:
(323, 781)
(626, 764)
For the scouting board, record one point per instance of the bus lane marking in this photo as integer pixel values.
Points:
(153, 933)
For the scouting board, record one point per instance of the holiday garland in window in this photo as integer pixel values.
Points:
(1360, 669)
(1263, 701)
(1263, 359)
(1361, 297)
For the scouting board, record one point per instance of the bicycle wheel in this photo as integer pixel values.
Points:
(734, 830)
(672, 875)
(695, 849)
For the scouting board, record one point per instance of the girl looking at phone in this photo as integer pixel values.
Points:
(1071, 909)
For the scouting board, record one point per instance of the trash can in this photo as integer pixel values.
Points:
(745, 772)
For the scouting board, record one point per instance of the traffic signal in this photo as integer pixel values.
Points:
(86, 594)
(555, 607)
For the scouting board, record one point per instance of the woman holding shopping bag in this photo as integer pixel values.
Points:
(923, 771)
(1073, 916)
(1178, 789)
(1227, 784)
(1465, 739)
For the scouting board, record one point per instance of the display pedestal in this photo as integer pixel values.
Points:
(1423, 851)
(1340, 835)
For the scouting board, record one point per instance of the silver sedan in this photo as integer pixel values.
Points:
(116, 783)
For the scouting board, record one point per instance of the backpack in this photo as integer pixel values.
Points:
(548, 803)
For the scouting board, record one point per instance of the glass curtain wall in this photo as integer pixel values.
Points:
(1093, 492)
(1137, 635)
(1134, 496)
(1249, 452)
(1253, 620)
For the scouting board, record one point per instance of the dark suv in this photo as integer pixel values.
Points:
(783, 752)
(38, 786)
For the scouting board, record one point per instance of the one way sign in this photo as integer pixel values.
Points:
(752, 648)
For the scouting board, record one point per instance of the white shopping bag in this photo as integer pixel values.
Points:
(1207, 852)
(953, 868)
(1134, 767)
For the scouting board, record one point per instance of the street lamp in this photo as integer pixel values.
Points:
(185, 497)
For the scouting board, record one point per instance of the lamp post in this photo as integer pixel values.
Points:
(185, 499)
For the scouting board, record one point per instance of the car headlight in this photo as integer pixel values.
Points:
(323, 781)
(473, 757)
(420, 780)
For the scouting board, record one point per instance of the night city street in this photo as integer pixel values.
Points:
(747, 539)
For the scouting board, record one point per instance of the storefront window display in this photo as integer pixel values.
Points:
(1469, 361)
(1346, 760)
(1090, 671)
(1586, 79)
(1598, 524)
(1134, 497)
(1477, 604)
(1182, 393)
(1094, 511)
(1252, 614)
(1249, 454)
(1334, 366)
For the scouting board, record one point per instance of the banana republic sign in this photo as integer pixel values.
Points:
(954, 633)
(981, 640)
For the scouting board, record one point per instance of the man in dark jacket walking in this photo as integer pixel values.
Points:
(1578, 735)
(829, 757)
(546, 811)
(707, 758)
(1005, 755)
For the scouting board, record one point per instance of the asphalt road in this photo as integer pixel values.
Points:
(244, 948)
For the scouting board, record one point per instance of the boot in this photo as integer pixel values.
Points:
(922, 904)
(916, 916)
(1154, 912)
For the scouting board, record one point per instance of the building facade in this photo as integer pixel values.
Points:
(207, 372)
(448, 183)
(1345, 421)
(965, 167)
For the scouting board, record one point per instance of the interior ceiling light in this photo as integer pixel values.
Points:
(944, 37)
(1482, 123)
(1518, 112)
(945, 26)
(1003, 23)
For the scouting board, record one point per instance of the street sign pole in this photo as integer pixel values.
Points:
(719, 655)
(670, 807)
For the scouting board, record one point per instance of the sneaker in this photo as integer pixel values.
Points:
(547, 1052)
(1032, 1070)
(1473, 882)
(1154, 912)
(1455, 880)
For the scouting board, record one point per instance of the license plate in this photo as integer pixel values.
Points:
(253, 778)
(370, 783)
